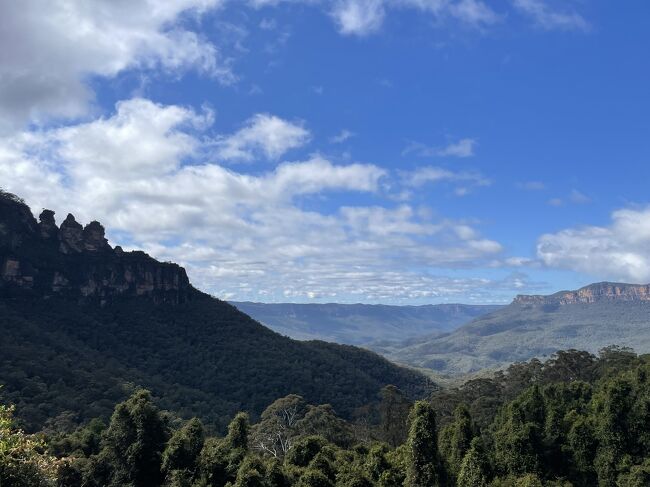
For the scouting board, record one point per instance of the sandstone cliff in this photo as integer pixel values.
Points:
(594, 293)
(74, 261)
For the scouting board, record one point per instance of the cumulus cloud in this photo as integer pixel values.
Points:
(619, 251)
(263, 135)
(146, 174)
(550, 19)
(360, 17)
(57, 45)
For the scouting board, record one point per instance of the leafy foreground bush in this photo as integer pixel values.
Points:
(23, 458)
(560, 431)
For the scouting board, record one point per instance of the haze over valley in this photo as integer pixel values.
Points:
(359, 324)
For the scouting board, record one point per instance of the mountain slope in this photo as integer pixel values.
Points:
(82, 324)
(361, 324)
(589, 319)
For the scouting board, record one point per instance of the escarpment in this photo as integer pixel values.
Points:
(594, 293)
(40, 259)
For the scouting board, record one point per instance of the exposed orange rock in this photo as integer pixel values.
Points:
(602, 291)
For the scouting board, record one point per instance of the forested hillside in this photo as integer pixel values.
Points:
(83, 325)
(590, 318)
(576, 420)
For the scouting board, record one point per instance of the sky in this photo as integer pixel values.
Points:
(376, 151)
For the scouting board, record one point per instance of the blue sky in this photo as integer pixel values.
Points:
(396, 151)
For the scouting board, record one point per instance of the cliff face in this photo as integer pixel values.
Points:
(594, 293)
(73, 261)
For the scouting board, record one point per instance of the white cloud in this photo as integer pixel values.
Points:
(51, 48)
(430, 174)
(474, 12)
(619, 251)
(319, 174)
(462, 148)
(359, 17)
(549, 19)
(518, 262)
(275, 3)
(143, 172)
(342, 136)
(382, 222)
(364, 17)
(263, 135)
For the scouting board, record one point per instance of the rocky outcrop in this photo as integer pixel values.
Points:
(71, 235)
(93, 237)
(72, 261)
(594, 293)
(47, 225)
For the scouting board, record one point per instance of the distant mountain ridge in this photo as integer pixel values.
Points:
(362, 324)
(590, 318)
(593, 293)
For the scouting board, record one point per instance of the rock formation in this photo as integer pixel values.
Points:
(594, 293)
(76, 262)
(71, 235)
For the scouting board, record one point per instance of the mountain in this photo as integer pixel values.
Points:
(593, 317)
(83, 324)
(361, 324)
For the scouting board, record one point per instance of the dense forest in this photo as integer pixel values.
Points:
(69, 363)
(575, 420)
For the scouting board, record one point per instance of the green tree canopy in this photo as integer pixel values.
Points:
(423, 464)
(134, 442)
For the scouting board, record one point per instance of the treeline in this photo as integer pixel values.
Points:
(575, 420)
